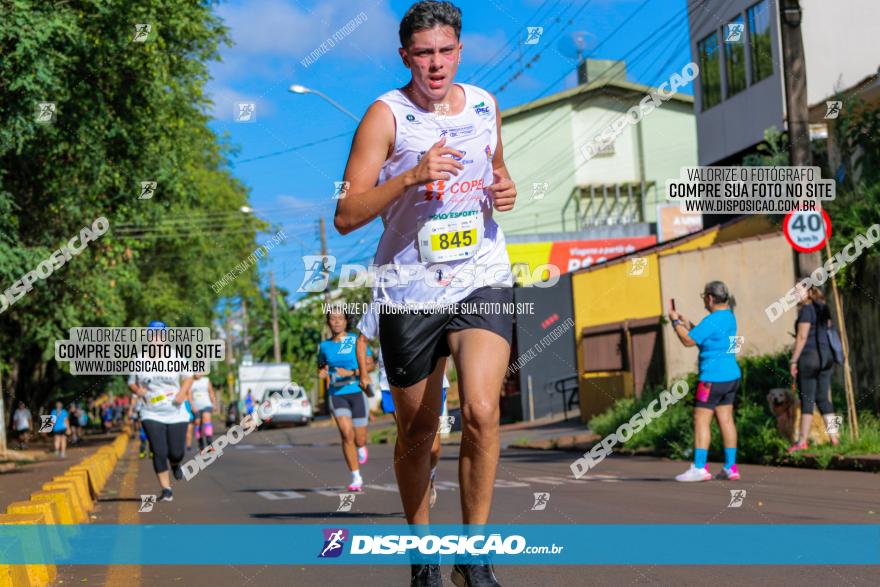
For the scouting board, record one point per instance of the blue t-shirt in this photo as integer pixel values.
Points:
(60, 419)
(341, 354)
(713, 337)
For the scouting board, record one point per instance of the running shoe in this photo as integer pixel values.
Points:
(177, 472)
(166, 495)
(142, 454)
(797, 446)
(426, 576)
(363, 455)
(432, 497)
(725, 474)
(694, 474)
(356, 486)
(474, 576)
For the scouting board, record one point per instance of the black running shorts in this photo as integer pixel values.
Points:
(711, 394)
(413, 342)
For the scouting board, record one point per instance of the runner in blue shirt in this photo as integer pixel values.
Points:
(60, 429)
(337, 364)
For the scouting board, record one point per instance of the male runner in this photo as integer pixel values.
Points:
(337, 363)
(428, 158)
(369, 327)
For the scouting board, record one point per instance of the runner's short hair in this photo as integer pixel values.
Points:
(428, 14)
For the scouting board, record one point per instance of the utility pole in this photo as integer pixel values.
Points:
(795, 76)
(2, 422)
(325, 331)
(244, 322)
(230, 377)
(277, 344)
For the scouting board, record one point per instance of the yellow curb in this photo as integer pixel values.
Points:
(37, 574)
(97, 466)
(62, 502)
(69, 487)
(91, 478)
(81, 477)
(82, 491)
(57, 543)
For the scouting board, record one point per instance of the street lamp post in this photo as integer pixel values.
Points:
(298, 89)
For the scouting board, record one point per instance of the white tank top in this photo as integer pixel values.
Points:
(200, 395)
(446, 227)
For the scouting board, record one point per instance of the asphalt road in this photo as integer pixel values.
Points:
(294, 476)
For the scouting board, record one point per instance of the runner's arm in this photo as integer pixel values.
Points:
(184, 394)
(211, 393)
(372, 143)
(361, 354)
(503, 187)
(136, 389)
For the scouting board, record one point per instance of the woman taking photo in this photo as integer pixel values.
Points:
(164, 417)
(812, 363)
(719, 381)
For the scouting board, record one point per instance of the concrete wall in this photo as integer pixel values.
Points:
(757, 272)
(669, 139)
(538, 149)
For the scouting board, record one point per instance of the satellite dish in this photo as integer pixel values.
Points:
(577, 44)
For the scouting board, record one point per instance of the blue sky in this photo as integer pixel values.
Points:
(271, 38)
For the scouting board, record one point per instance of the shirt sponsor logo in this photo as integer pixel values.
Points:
(461, 159)
(458, 131)
(437, 189)
(449, 215)
(412, 119)
(482, 110)
(488, 151)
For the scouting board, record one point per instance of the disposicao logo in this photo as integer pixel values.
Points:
(334, 542)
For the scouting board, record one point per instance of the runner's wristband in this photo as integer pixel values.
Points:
(675, 323)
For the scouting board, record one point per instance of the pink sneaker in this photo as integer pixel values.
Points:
(359, 486)
(694, 474)
(725, 474)
(796, 447)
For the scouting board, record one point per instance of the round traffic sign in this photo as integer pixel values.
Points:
(805, 231)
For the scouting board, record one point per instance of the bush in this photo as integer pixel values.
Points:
(758, 439)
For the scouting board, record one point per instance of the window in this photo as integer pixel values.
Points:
(710, 71)
(760, 41)
(735, 60)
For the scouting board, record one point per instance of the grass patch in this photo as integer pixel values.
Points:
(758, 439)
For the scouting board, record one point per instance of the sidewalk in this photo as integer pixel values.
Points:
(573, 436)
(26, 476)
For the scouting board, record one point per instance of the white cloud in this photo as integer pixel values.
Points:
(282, 28)
(225, 100)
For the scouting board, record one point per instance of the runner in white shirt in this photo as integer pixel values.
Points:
(22, 421)
(164, 418)
(436, 181)
(203, 402)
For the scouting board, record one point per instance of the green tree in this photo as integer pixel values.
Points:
(125, 112)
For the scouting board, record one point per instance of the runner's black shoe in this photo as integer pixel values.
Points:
(166, 495)
(177, 472)
(426, 576)
(474, 576)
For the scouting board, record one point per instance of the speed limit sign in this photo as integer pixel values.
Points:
(807, 232)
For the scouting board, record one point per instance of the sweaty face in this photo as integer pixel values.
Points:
(432, 56)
